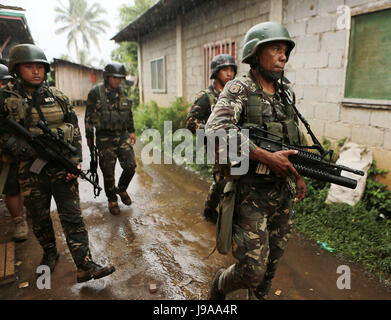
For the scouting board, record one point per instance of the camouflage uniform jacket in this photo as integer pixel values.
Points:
(230, 109)
(202, 107)
(113, 103)
(52, 103)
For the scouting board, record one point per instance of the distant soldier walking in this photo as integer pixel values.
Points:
(9, 185)
(109, 112)
(223, 69)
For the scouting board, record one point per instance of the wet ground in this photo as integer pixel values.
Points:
(162, 239)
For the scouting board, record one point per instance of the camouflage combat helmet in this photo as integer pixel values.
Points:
(4, 74)
(114, 69)
(221, 61)
(24, 53)
(263, 33)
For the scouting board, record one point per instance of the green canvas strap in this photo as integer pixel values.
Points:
(224, 222)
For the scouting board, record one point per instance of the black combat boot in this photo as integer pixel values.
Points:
(210, 215)
(50, 259)
(114, 208)
(214, 292)
(125, 198)
(91, 270)
(263, 288)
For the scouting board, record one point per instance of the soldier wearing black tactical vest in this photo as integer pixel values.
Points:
(109, 111)
(29, 101)
(262, 201)
(9, 185)
(223, 69)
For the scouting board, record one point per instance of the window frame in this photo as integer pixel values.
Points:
(164, 84)
(361, 102)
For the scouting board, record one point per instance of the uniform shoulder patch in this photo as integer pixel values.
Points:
(234, 88)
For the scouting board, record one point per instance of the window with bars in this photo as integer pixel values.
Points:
(158, 75)
(211, 50)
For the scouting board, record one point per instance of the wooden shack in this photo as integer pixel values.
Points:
(75, 80)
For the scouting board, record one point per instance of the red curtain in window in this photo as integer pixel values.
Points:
(213, 49)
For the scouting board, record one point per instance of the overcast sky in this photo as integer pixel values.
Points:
(40, 16)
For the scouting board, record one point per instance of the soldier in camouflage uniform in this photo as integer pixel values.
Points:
(109, 112)
(29, 101)
(262, 214)
(223, 69)
(9, 185)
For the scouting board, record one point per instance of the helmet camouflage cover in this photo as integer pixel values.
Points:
(221, 61)
(25, 53)
(114, 69)
(262, 33)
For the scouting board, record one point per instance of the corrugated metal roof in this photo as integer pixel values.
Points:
(14, 18)
(78, 65)
(13, 30)
(159, 14)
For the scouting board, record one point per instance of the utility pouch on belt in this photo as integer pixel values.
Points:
(18, 148)
(224, 221)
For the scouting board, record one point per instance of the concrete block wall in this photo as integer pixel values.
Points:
(160, 43)
(215, 21)
(317, 71)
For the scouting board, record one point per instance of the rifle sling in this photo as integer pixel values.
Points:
(34, 103)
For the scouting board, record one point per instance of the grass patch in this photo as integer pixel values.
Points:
(355, 232)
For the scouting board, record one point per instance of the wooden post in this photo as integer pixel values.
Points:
(7, 262)
(140, 71)
(179, 58)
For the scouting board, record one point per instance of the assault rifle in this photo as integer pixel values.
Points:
(49, 147)
(308, 164)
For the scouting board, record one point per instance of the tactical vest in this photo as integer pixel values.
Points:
(256, 114)
(53, 108)
(112, 120)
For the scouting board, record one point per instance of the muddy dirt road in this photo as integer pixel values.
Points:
(162, 239)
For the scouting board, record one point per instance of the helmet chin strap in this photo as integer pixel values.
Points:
(270, 75)
(27, 84)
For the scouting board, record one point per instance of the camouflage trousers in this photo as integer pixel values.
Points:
(261, 227)
(38, 190)
(111, 148)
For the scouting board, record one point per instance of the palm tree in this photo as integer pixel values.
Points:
(81, 22)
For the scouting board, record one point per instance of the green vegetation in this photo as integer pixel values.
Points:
(81, 22)
(354, 231)
(126, 53)
(149, 115)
